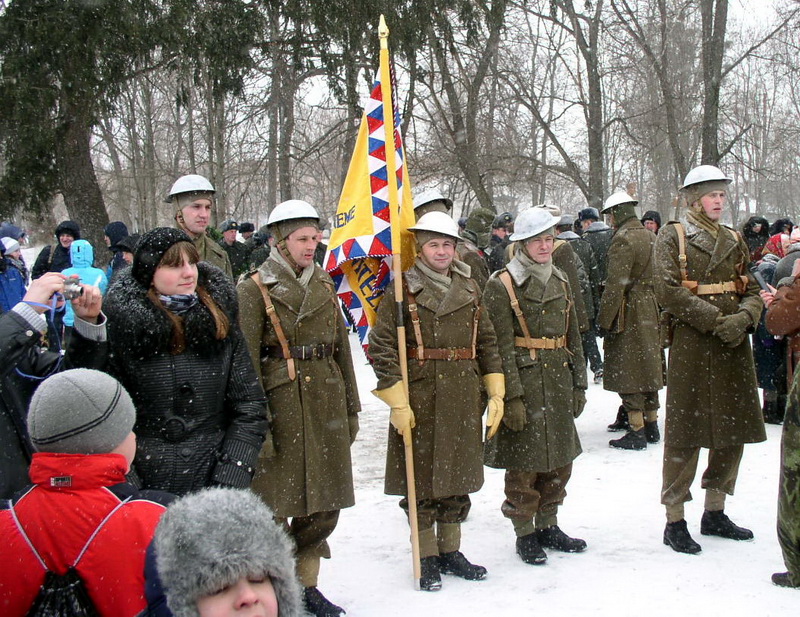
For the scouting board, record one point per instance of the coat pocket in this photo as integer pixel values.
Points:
(274, 373)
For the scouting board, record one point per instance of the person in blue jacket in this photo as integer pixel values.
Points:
(12, 283)
(82, 255)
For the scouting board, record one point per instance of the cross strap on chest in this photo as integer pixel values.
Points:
(420, 353)
(739, 286)
(276, 325)
(526, 340)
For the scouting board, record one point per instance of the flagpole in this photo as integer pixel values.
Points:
(394, 209)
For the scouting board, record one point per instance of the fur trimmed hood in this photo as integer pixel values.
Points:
(211, 539)
(137, 326)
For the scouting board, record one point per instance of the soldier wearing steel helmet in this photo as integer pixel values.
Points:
(702, 281)
(531, 305)
(297, 338)
(451, 349)
(431, 200)
(629, 314)
(192, 197)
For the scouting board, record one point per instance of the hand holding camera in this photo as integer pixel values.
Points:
(86, 299)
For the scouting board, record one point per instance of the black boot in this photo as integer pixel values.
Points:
(621, 423)
(781, 579)
(553, 537)
(530, 551)
(456, 563)
(430, 579)
(717, 523)
(676, 536)
(770, 412)
(651, 432)
(319, 605)
(632, 440)
(598, 376)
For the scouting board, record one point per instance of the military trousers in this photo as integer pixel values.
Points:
(439, 522)
(678, 472)
(789, 492)
(532, 498)
(310, 534)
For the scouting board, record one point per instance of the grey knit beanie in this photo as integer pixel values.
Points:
(211, 539)
(80, 411)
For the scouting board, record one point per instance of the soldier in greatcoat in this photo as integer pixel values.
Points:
(532, 308)
(629, 314)
(298, 342)
(451, 349)
(702, 281)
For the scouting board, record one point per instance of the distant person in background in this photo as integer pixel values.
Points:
(652, 221)
(237, 251)
(247, 230)
(781, 226)
(756, 234)
(82, 254)
(777, 245)
(114, 232)
(12, 282)
(502, 225)
(262, 245)
(13, 245)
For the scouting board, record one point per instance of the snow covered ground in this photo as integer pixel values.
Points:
(613, 503)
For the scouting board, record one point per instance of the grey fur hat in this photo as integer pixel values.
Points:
(80, 411)
(211, 539)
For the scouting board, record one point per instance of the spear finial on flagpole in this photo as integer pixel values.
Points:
(383, 33)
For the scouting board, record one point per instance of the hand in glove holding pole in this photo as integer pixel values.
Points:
(495, 384)
(402, 416)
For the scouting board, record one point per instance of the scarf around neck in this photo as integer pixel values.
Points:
(541, 272)
(178, 303)
(699, 218)
(304, 278)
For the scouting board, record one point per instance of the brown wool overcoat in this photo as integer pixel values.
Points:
(629, 313)
(549, 439)
(712, 397)
(312, 470)
(445, 395)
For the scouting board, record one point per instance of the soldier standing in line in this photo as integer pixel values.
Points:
(298, 342)
(474, 235)
(629, 314)
(702, 281)
(192, 197)
(531, 306)
(450, 347)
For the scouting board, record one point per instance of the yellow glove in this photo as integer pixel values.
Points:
(402, 417)
(495, 384)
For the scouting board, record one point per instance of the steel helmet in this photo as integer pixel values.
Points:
(531, 222)
(437, 223)
(191, 183)
(617, 199)
(554, 210)
(430, 195)
(292, 209)
(705, 173)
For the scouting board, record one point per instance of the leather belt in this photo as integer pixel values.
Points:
(540, 343)
(301, 352)
(448, 354)
(716, 288)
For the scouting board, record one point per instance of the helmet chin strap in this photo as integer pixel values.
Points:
(288, 256)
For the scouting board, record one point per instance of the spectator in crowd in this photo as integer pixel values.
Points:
(220, 553)
(261, 247)
(114, 233)
(82, 256)
(756, 234)
(769, 353)
(502, 225)
(247, 230)
(13, 251)
(176, 346)
(80, 513)
(12, 282)
(777, 245)
(452, 349)
(126, 248)
(651, 220)
(24, 363)
(192, 198)
(781, 226)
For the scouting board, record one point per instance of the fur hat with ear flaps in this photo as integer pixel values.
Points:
(211, 539)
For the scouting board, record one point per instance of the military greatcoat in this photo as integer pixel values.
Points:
(712, 398)
(545, 383)
(629, 313)
(311, 470)
(445, 395)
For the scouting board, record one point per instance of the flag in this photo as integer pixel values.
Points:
(375, 210)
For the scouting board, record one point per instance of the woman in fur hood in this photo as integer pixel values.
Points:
(175, 344)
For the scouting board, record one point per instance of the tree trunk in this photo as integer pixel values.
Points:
(714, 18)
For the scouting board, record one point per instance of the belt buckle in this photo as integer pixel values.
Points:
(451, 354)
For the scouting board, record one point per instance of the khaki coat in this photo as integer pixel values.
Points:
(712, 398)
(566, 260)
(213, 253)
(445, 396)
(629, 313)
(473, 257)
(549, 440)
(311, 470)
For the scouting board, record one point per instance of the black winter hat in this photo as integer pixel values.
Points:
(127, 244)
(589, 214)
(116, 231)
(652, 215)
(69, 227)
(245, 227)
(150, 250)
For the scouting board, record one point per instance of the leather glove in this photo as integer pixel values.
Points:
(732, 329)
(495, 384)
(578, 401)
(514, 417)
(352, 423)
(402, 416)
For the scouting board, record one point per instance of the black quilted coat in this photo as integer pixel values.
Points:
(201, 414)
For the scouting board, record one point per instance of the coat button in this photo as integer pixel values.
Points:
(544, 365)
(28, 332)
(566, 364)
(308, 378)
(441, 376)
(544, 312)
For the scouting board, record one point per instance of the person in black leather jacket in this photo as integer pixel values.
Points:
(24, 364)
(176, 346)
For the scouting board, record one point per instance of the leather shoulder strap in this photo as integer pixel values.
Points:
(276, 325)
(505, 278)
(682, 260)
